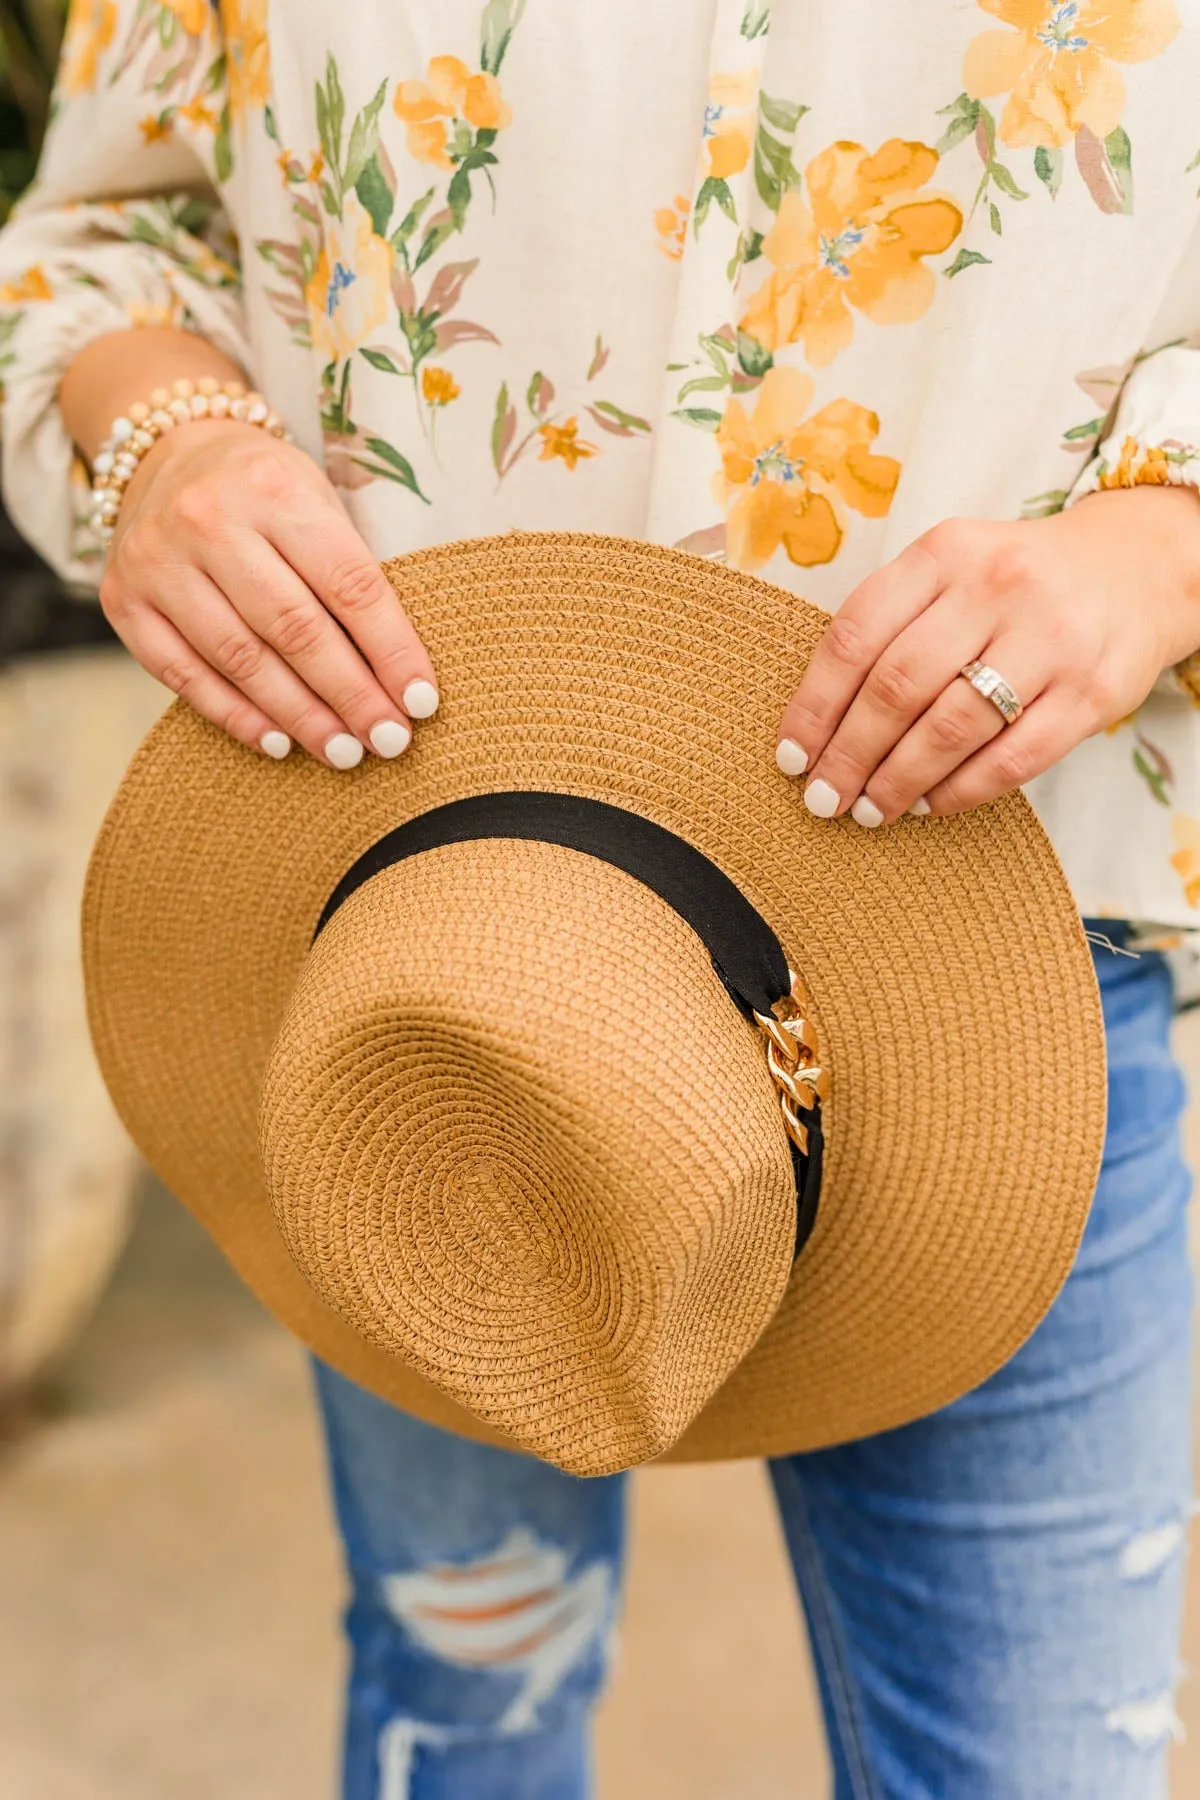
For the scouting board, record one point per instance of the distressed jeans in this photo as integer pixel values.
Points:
(993, 1593)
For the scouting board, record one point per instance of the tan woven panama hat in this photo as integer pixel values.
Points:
(439, 1052)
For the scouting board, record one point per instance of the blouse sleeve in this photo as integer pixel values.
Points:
(122, 226)
(1153, 437)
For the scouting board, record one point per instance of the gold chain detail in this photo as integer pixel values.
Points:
(792, 1051)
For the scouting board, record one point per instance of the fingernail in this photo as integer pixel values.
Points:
(920, 806)
(822, 799)
(792, 759)
(420, 699)
(390, 737)
(275, 743)
(865, 812)
(344, 751)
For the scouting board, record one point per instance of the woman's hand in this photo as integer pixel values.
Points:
(236, 577)
(1079, 613)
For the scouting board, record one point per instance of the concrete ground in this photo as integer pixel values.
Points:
(169, 1584)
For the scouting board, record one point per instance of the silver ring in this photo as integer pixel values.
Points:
(991, 684)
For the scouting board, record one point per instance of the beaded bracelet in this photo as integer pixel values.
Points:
(139, 429)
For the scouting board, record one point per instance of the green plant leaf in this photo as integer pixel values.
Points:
(994, 218)
(539, 394)
(1048, 167)
(410, 221)
(364, 134)
(628, 421)
(756, 20)
(434, 238)
(458, 196)
(1043, 506)
(504, 426)
(1092, 429)
(222, 147)
(784, 115)
(1119, 151)
(396, 467)
(500, 20)
(715, 187)
(754, 357)
(774, 170)
(1004, 181)
(702, 417)
(331, 115)
(966, 259)
(1152, 778)
(703, 384)
(376, 196)
(381, 359)
(963, 117)
(599, 358)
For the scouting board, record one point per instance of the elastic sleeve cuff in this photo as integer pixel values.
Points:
(1153, 440)
(80, 285)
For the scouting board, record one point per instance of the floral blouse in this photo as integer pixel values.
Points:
(777, 282)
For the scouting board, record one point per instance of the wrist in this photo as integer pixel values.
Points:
(1157, 530)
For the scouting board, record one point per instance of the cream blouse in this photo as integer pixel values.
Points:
(776, 281)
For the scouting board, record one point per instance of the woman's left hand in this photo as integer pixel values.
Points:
(1079, 613)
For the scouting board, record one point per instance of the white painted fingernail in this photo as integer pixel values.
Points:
(792, 759)
(920, 806)
(420, 699)
(390, 737)
(865, 812)
(822, 799)
(275, 743)
(344, 751)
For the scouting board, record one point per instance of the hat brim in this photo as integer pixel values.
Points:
(952, 983)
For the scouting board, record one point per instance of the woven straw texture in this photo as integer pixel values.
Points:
(499, 1146)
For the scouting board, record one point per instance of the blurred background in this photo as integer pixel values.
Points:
(169, 1588)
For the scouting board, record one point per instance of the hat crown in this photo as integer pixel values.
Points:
(454, 1134)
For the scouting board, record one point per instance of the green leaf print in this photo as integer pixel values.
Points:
(756, 20)
(381, 359)
(599, 358)
(364, 135)
(1004, 181)
(994, 218)
(397, 468)
(1153, 777)
(1108, 181)
(753, 356)
(539, 394)
(1043, 506)
(702, 384)
(1120, 156)
(409, 223)
(714, 187)
(222, 148)
(623, 420)
(963, 116)
(1048, 167)
(774, 170)
(702, 417)
(500, 20)
(504, 426)
(331, 115)
(966, 259)
(376, 196)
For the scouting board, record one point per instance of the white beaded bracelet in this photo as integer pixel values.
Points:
(139, 429)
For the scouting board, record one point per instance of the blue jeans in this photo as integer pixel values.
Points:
(993, 1594)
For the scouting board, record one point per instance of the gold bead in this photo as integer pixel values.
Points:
(208, 385)
(139, 412)
(159, 396)
(235, 389)
(183, 388)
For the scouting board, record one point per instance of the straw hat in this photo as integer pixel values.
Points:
(456, 1056)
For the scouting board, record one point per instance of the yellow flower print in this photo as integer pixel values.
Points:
(347, 293)
(1186, 860)
(195, 16)
(147, 313)
(562, 441)
(244, 23)
(1137, 465)
(438, 385)
(1058, 66)
(450, 91)
(857, 242)
(729, 124)
(199, 113)
(90, 28)
(780, 473)
(671, 223)
(154, 128)
(31, 285)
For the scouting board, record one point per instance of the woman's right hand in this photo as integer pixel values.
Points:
(236, 577)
